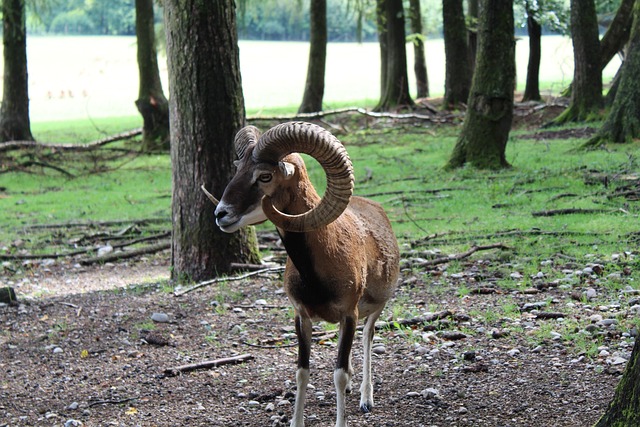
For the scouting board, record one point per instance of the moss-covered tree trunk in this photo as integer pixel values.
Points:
(314, 87)
(623, 121)
(151, 102)
(457, 67)
(472, 32)
(532, 87)
(624, 409)
(617, 34)
(419, 60)
(395, 87)
(586, 88)
(487, 123)
(206, 111)
(14, 111)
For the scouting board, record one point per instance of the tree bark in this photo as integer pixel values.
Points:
(382, 41)
(586, 88)
(314, 87)
(14, 111)
(623, 121)
(419, 60)
(206, 110)
(624, 409)
(487, 123)
(532, 87)
(395, 93)
(457, 67)
(151, 102)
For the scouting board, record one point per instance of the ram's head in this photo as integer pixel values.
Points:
(262, 171)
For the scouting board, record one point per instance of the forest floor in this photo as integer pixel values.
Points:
(103, 354)
(102, 345)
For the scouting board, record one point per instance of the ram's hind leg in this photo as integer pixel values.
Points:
(303, 332)
(366, 389)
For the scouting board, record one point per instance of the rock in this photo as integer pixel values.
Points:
(513, 352)
(413, 394)
(469, 356)
(270, 407)
(73, 406)
(58, 350)
(591, 294)
(379, 349)
(430, 393)
(102, 251)
(160, 317)
(261, 302)
(73, 423)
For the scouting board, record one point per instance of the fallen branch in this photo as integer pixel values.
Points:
(227, 279)
(554, 212)
(101, 223)
(126, 254)
(234, 360)
(457, 257)
(321, 114)
(13, 145)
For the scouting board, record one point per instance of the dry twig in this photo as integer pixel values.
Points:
(175, 370)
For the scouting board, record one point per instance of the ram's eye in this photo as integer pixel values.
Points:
(265, 177)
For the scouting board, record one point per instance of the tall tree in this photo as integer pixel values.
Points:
(487, 122)
(623, 121)
(206, 110)
(14, 111)
(419, 60)
(472, 31)
(457, 67)
(586, 90)
(395, 86)
(151, 102)
(314, 88)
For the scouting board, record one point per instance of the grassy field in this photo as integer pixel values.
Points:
(401, 167)
(93, 77)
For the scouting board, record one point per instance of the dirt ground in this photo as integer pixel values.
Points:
(81, 348)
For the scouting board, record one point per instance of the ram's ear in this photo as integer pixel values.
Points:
(287, 169)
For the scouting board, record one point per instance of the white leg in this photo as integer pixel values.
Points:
(341, 378)
(302, 380)
(304, 332)
(366, 389)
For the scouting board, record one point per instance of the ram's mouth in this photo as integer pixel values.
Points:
(229, 227)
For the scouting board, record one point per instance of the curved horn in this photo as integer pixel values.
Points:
(209, 196)
(246, 136)
(300, 137)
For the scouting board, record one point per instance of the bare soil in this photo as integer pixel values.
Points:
(80, 348)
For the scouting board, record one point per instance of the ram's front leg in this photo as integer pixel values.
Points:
(341, 375)
(303, 332)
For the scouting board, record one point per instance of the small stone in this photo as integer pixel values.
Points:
(379, 349)
(58, 350)
(413, 394)
(270, 407)
(73, 406)
(591, 293)
(73, 423)
(462, 410)
(253, 403)
(261, 302)
(160, 317)
(284, 402)
(513, 352)
(430, 393)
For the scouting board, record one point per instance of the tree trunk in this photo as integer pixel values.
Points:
(623, 121)
(395, 92)
(14, 111)
(586, 88)
(532, 87)
(487, 123)
(383, 42)
(206, 110)
(457, 67)
(419, 61)
(617, 34)
(624, 409)
(151, 102)
(314, 88)
(472, 32)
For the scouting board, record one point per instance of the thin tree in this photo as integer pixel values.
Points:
(151, 102)
(457, 67)
(206, 110)
(623, 121)
(14, 111)
(472, 31)
(483, 139)
(314, 87)
(395, 86)
(586, 88)
(419, 60)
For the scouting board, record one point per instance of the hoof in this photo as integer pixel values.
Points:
(365, 408)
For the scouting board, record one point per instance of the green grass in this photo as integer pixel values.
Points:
(402, 168)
